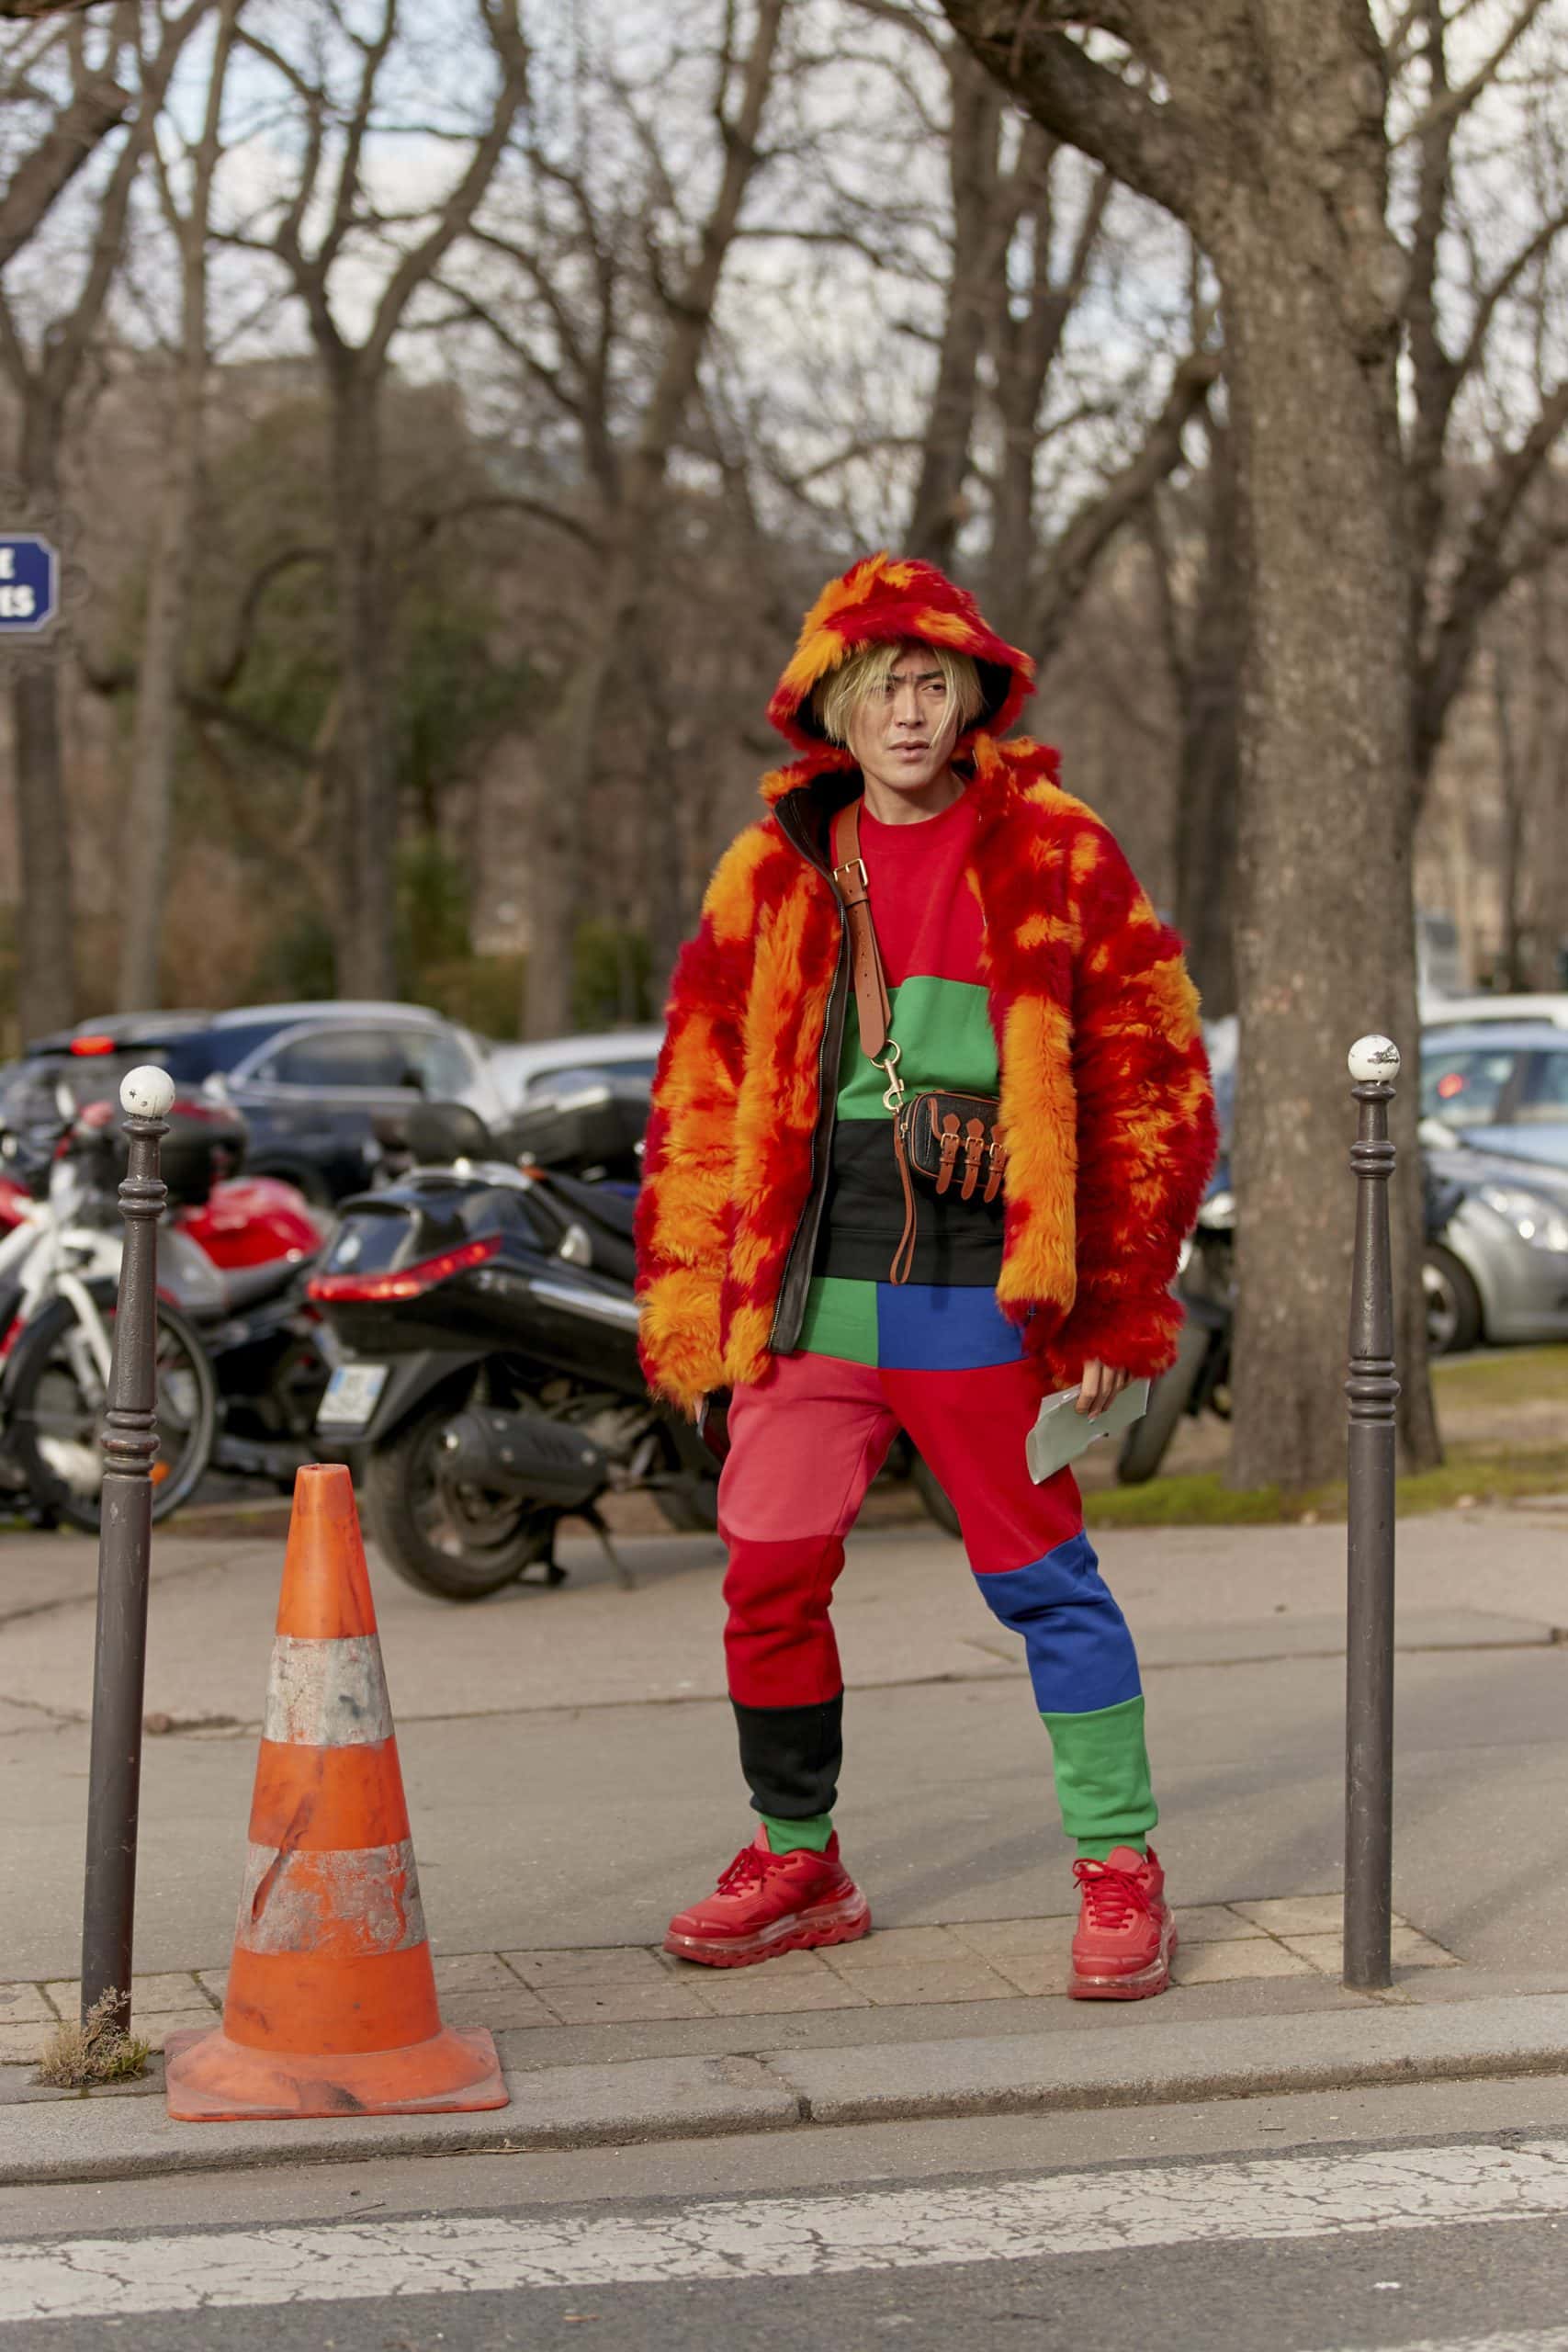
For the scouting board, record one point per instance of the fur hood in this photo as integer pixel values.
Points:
(882, 601)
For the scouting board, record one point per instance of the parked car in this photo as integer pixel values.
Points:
(310, 1079)
(518, 1071)
(1498, 1270)
(1445, 1011)
(1494, 1264)
(1500, 1086)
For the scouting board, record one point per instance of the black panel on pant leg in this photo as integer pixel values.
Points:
(791, 1756)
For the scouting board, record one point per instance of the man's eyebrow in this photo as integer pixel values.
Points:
(915, 677)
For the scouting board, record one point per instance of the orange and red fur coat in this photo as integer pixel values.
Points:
(1106, 1105)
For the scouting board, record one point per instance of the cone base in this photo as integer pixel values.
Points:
(213, 2080)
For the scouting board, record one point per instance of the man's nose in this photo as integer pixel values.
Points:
(906, 707)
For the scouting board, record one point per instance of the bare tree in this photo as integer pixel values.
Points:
(585, 313)
(1261, 127)
(1202, 633)
(44, 378)
(95, 104)
(156, 734)
(334, 225)
(1461, 323)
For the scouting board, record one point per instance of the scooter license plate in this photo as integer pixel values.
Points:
(352, 1394)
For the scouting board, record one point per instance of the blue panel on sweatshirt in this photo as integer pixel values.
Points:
(1080, 1654)
(941, 1326)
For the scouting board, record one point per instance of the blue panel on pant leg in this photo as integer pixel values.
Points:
(1080, 1653)
(943, 1327)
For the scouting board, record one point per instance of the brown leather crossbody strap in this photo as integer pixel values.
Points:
(874, 1007)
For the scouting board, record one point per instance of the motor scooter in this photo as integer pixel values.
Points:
(489, 1384)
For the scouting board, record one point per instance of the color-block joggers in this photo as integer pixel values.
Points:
(805, 1444)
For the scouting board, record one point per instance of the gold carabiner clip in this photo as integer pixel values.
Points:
(894, 1099)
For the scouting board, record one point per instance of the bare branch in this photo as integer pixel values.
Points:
(423, 259)
(1450, 103)
(224, 675)
(95, 109)
(1073, 557)
(511, 501)
(373, 57)
(1483, 572)
(1147, 145)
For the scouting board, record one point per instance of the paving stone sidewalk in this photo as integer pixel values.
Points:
(985, 1960)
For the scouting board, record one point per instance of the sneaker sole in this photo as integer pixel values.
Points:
(844, 1922)
(1142, 1987)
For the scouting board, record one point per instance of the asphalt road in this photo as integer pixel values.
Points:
(1332, 2223)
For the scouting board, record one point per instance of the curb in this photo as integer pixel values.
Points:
(777, 2090)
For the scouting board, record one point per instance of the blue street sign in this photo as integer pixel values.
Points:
(29, 582)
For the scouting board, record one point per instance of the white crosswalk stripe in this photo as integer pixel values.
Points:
(1551, 2339)
(1007, 2221)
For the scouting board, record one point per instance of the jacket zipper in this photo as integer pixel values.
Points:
(790, 1311)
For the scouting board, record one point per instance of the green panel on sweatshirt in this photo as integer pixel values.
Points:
(945, 1040)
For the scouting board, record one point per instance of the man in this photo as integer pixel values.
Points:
(782, 1258)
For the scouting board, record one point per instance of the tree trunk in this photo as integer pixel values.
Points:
(1267, 138)
(1205, 820)
(979, 243)
(46, 963)
(1325, 941)
(365, 786)
(563, 885)
(149, 813)
(156, 735)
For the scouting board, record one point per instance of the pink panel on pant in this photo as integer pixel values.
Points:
(805, 1444)
(971, 1427)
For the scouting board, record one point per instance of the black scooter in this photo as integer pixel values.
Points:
(488, 1383)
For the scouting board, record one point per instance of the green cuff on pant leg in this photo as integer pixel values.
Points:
(788, 1837)
(1103, 1788)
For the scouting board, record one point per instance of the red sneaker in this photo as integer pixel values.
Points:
(767, 1902)
(1126, 1934)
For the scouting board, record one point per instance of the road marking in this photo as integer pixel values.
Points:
(794, 2237)
(1551, 2339)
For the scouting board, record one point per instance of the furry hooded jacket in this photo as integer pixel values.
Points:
(1107, 1110)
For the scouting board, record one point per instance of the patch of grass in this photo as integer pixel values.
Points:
(1486, 1473)
(77, 2056)
(1500, 1376)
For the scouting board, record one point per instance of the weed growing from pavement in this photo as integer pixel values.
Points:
(96, 2050)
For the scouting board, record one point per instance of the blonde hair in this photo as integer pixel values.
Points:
(841, 694)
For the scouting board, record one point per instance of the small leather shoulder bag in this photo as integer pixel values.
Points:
(951, 1142)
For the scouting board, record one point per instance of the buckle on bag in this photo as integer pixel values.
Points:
(894, 1098)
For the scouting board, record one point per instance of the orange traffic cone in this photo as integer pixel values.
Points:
(332, 2005)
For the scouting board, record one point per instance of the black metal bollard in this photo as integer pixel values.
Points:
(131, 1445)
(1371, 1389)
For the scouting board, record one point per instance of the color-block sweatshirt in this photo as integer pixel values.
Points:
(928, 929)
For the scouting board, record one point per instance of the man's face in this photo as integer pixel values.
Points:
(902, 734)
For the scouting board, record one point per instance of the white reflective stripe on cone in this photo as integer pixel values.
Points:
(296, 1902)
(327, 1694)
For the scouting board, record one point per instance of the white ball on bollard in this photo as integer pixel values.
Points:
(1374, 1058)
(146, 1093)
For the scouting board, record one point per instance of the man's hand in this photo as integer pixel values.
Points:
(1101, 1387)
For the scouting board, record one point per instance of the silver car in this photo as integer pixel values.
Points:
(1498, 1270)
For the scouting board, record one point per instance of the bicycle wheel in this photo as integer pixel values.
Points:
(55, 1403)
